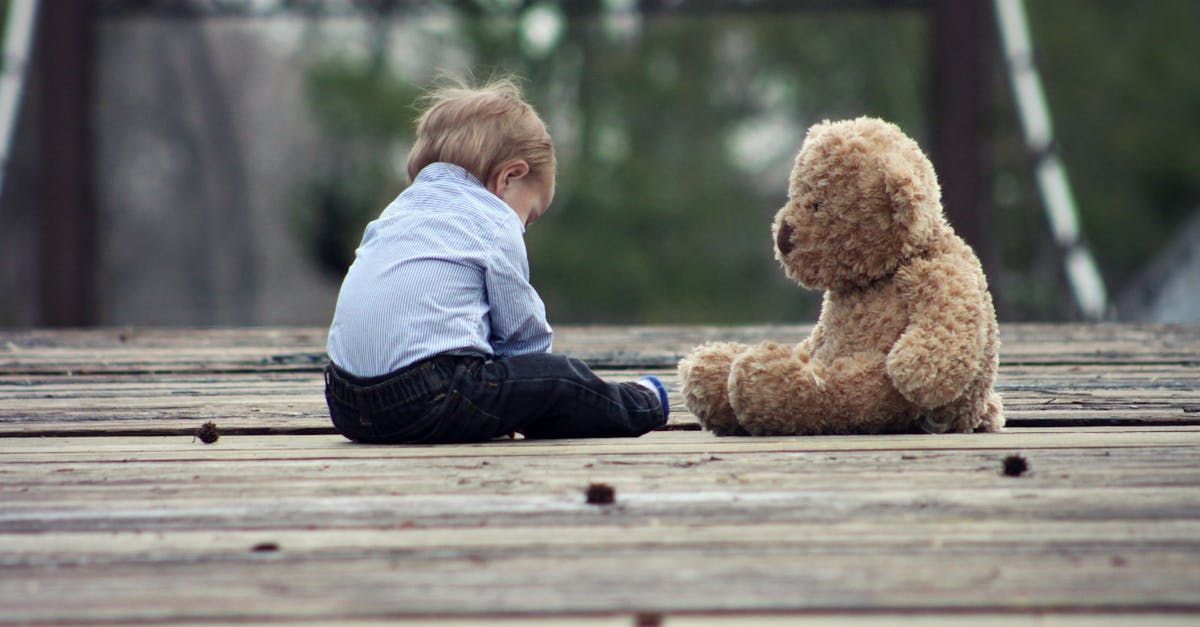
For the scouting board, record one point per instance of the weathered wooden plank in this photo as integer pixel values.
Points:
(75, 476)
(280, 473)
(129, 529)
(292, 402)
(602, 336)
(125, 449)
(302, 349)
(952, 617)
(140, 529)
(118, 547)
(955, 616)
(123, 402)
(1134, 486)
(1011, 377)
(30, 388)
(310, 419)
(1017, 372)
(258, 585)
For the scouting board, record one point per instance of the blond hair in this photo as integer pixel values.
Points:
(480, 129)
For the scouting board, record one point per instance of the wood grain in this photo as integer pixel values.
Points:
(292, 402)
(273, 528)
(613, 347)
(111, 512)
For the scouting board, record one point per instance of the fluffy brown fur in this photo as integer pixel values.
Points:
(907, 337)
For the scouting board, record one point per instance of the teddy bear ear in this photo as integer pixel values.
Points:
(913, 197)
(902, 187)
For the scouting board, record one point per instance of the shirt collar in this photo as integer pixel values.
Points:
(441, 171)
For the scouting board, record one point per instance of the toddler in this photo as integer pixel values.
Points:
(438, 335)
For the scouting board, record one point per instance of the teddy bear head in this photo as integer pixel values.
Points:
(862, 199)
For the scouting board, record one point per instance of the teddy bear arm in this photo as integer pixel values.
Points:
(941, 350)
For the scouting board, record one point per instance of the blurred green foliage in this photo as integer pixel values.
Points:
(654, 220)
(362, 109)
(1124, 92)
(1124, 83)
(676, 133)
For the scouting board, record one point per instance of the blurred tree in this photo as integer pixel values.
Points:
(676, 132)
(675, 137)
(1125, 96)
(361, 107)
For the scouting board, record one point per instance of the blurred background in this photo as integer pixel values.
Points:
(210, 162)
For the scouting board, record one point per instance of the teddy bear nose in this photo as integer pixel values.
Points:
(783, 241)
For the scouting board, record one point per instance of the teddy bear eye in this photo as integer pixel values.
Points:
(815, 206)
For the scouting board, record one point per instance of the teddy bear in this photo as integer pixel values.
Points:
(906, 340)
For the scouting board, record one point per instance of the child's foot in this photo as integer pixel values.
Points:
(653, 384)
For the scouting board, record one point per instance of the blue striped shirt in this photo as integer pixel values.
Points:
(443, 268)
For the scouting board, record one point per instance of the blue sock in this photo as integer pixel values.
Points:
(653, 383)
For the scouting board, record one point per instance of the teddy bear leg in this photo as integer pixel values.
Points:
(864, 400)
(779, 391)
(776, 389)
(705, 377)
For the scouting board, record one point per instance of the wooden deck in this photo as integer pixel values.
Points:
(110, 510)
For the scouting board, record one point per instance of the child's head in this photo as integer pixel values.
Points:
(490, 131)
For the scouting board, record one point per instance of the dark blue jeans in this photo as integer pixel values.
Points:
(473, 398)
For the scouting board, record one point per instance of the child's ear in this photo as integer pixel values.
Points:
(518, 169)
(508, 173)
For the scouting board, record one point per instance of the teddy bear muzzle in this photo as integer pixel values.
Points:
(783, 240)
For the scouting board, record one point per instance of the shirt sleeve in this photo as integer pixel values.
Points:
(517, 313)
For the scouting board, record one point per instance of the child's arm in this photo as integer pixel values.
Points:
(517, 313)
